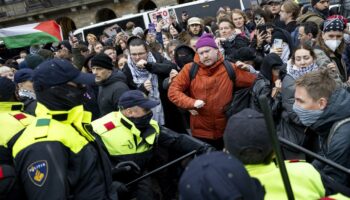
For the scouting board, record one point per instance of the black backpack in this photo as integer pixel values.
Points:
(240, 96)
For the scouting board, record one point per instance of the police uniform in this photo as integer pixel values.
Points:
(304, 178)
(12, 121)
(123, 140)
(56, 157)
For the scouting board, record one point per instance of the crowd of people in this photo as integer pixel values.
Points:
(83, 119)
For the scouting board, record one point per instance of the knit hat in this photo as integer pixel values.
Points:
(218, 175)
(7, 89)
(102, 60)
(206, 40)
(334, 24)
(313, 2)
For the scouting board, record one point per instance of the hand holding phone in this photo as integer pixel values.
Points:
(159, 18)
(277, 43)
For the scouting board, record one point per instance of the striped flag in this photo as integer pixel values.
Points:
(29, 34)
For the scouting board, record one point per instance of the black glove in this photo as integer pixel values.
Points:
(125, 171)
(122, 190)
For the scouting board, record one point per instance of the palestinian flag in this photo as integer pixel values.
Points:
(29, 34)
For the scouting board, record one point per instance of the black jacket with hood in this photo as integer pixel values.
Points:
(335, 147)
(264, 83)
(110, 91)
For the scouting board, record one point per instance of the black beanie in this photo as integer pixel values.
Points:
(102, 60)
(313, 2)
(7, 89)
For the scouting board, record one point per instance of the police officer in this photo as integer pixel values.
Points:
(12, 121)
(132, 135)
(246, 137)
(56, 157)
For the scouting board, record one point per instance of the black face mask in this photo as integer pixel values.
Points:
(62, 97)
(324, 12)
(142, 122)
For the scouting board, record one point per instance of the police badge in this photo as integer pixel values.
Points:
(38, 171)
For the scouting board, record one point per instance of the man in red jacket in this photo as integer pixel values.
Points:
(209, 91)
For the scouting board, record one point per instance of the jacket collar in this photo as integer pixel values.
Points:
(11, 106)
(76, 115)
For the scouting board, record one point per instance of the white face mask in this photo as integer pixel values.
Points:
(332, 44)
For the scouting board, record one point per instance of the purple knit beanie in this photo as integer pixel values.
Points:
(206, 40)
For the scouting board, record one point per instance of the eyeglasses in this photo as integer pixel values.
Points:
(138, 54)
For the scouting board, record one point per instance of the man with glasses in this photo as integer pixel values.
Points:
(318, 13)
(146, 70)
(112, 83)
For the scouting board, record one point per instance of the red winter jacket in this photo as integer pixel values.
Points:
(212, 85)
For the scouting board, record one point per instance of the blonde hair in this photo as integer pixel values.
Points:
(92, 36)
(237, 11)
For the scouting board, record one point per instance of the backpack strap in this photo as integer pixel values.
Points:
(335, 127)
(228, 66)
(231, 72)
(193, 70)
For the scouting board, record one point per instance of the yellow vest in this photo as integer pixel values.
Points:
(121, 137)
(12, 121)
(305, 180)
(339, 197)
(45, 129)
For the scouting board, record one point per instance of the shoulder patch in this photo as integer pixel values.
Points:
(20, 116)
(38, 171)
(295, 161)
(43, 122)
(109, 126)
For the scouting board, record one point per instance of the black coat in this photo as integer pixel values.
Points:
(337, 146)
(264, 84)
(232, 46)
(110, 91)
